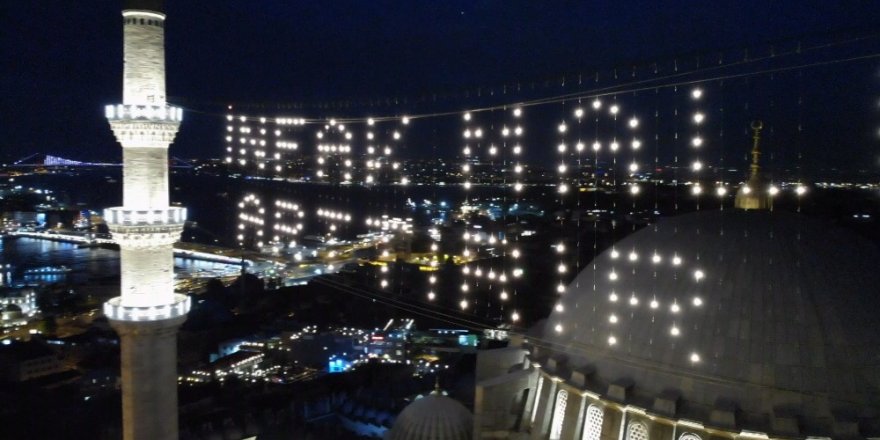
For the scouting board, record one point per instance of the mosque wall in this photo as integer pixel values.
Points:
(502, 412)
(491, 363)
(504, 392)
(544, 411)
(611, 422)
(500, 404)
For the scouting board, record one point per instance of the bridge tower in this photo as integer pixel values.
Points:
(148, 313)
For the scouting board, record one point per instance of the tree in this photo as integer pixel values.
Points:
(48, 325)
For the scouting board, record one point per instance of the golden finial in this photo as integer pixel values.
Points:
(751, 195)
(437, 384)
(757, 126)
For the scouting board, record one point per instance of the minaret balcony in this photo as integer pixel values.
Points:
(172, 215)
(116, 311)
(151, 113)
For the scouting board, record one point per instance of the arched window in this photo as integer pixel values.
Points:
(558, 415)
(637, 431)
(689, 436)
(593, 423)
(537, 399)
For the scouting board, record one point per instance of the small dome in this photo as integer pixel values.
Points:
(433, 417)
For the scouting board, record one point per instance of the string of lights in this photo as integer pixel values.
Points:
(511, 251)
(471, 134)
(562, 189)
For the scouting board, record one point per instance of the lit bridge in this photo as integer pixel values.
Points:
(187, 252)
(38, 160)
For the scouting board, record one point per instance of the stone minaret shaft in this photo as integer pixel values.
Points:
(148, 312)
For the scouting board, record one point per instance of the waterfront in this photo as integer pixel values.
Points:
(87, 266)
(442, 257)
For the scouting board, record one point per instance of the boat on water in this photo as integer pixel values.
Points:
(47, 270)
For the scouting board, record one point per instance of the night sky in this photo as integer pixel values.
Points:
(62, 60)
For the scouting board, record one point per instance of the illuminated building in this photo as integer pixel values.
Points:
(739, 324)
(17, 307)
(240, 363)
(390, 345)
(148, 313)
(21, 361)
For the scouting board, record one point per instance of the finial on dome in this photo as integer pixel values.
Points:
(754, 195)
(437, 384)
(757, 126)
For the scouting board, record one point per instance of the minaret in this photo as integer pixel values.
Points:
(753, 195)
(148, 313)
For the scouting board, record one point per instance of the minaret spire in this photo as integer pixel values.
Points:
(753, 195)
(147, 313)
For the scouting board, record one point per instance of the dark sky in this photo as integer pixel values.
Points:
(62, 59)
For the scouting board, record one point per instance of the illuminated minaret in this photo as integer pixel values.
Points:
(148, 313)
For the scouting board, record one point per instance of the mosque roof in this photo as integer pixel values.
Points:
(759, 312)
(10, 308)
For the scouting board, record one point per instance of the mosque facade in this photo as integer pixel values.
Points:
(716, 325)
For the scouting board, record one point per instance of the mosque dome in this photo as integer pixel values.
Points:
(433, 417)
(10, 311)
(761, 321)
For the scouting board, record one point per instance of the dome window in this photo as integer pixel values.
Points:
(559, 415)
(637, 431)
(593, 423)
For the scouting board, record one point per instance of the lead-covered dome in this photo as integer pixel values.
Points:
(433, 417)
(769, 316)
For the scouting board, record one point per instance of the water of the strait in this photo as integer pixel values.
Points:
(212, 202)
